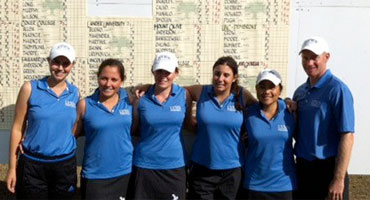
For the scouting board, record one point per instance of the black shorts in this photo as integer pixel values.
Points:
(158, 184)
(40, 180)
(112, 188)
(255, 195)
(205, 183)
(314, 178)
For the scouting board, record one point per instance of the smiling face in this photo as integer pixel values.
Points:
(267, 92)
(314, 65)
(109, 81)
(59, 68)
(164, 79)
(223, 78)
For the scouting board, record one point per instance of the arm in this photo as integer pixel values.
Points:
(140, 90)
(248, 98)
(78, 129)
(291, 105)
(190, 121)
(244, 136)
(18, 128)
(343, 110)
(336, 186)
(135, 117)
(192, 95)
(195, 91)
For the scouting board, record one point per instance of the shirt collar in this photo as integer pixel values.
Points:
(281, 105)
(175, 90)
(281, 108)
(211, 93)
(43, 84)
(122, 94)
(323, 80)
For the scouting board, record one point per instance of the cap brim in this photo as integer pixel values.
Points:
(163, 68)
(306, 49)
(69, 57)
(275, 82)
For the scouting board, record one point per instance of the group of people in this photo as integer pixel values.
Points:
(243, 145)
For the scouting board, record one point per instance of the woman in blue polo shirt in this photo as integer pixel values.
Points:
(218, 150)
(106, 119)
(159, 157)
(45, 113)
(269, 168)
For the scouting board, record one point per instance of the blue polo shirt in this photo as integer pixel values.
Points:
(324, 111)
(161, 144)
(218, 143)
(50, 120)
(108, 146)
(269, 165)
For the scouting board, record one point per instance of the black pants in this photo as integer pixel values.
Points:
(205, 183)
(157, 184)
(112, 188)
(314, 178)
(40, 180)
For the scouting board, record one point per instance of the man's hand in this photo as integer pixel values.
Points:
(336, 189)
(11, 180)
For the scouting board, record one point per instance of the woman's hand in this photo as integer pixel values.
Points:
(291, 105)
(141, 90)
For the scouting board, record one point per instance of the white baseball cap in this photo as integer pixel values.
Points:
(165, 61)
(270, 75)
(62, 49)
(315, 44)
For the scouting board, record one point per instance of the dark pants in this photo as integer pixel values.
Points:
(40, 180)
(205, 183)
(158, 184)
(314, 178)
(112, 188)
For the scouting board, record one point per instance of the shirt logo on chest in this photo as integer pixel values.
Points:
(124, 112)
(315, 103)
(175, 108)
(70, 104)
(282, 128)
(231, 108)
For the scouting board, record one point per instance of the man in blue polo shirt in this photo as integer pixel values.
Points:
(325, 127)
